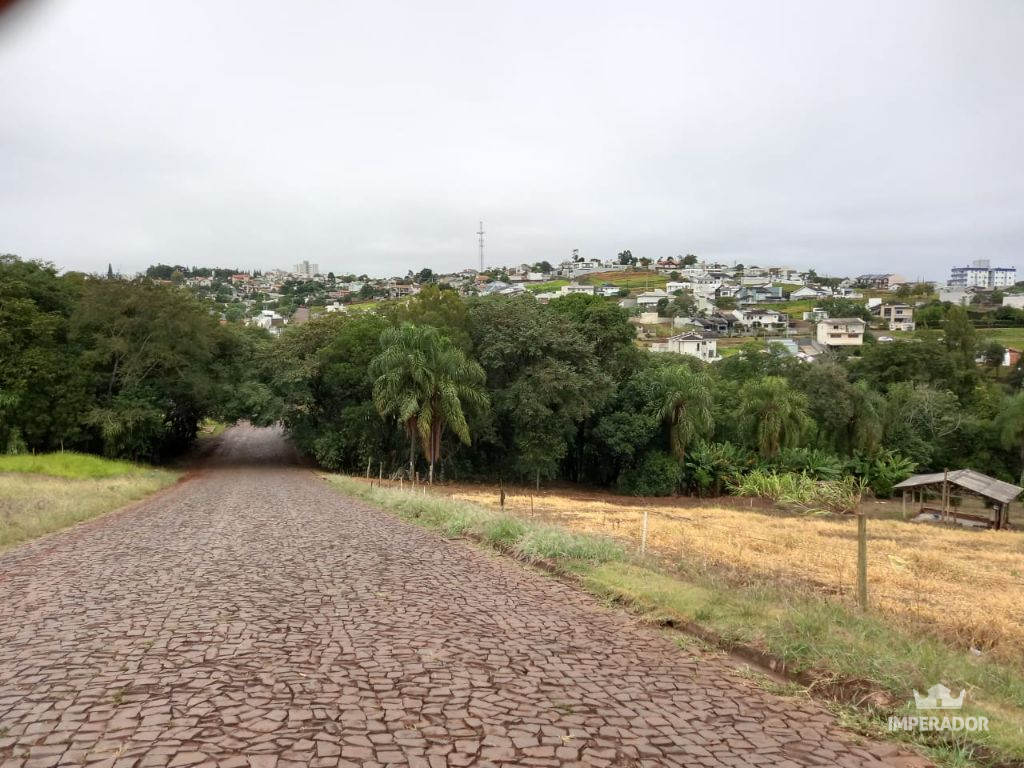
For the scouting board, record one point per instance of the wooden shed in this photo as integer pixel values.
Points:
(962, 496)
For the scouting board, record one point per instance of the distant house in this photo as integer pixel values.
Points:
(1015, 300)
(574, 288)
(816, 315)
(956, 295)
(808, 292)
(981, 274)
(712, 324)
(759, 294)
(880, 282)
(268, 320)
(651, 298)
(761, 318)
(899, 317)
(841, 332)
(699, 345)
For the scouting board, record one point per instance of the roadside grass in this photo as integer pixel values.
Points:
(530, 541)
(964, 587)
(44, 493)
(869, 667)
(68, 464)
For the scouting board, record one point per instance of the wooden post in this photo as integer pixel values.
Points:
(369, 462)
(501, 492)
(862, 561)
(945, 495)
(380, 475)
(643, 534)
(904, 505)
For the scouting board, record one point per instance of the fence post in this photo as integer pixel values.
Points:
(643, 534)
(862, 560)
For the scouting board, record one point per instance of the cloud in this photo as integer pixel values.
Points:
(373, 136)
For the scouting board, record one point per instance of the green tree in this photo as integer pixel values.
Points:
(961, 338)
(425, 381)
(1010, 423)
(772, 415)
(685, 406)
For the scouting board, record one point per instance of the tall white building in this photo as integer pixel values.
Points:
(981, 274)
(306, 269)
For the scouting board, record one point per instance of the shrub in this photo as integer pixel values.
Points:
(800, 492)
(544, 543)
(658, 474)
(502, 532)
(881, 472)
(813, 462)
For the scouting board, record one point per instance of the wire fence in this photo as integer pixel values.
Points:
(962, 585)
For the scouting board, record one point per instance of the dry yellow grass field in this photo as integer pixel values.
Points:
(32, 505)
(964, 586)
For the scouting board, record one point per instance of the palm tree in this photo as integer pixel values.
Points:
(423, 379)
(1010, 423)
(454, 381)
(773, 414)
(685, 406)
(400, 374)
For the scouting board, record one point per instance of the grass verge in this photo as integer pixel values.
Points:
(44, 493)
(868, 667)
(68, 464)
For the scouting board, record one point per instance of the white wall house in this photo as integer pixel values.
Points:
(569, 290)
(651, 298)
(761, 318)
(690, 343)
(1015, 300)
(900, 317)
(841, 332)
(981, 274)
(956, 295)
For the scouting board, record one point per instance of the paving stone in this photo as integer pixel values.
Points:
(254, 618)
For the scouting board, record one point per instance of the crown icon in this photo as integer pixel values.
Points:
(939, 697)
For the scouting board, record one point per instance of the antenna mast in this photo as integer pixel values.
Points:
(481, 234)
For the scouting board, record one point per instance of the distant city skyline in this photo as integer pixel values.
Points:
(847, 137)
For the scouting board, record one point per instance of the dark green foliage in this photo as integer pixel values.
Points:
(128, 368)
(657, 474)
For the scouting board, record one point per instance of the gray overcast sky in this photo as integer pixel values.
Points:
(372, 136)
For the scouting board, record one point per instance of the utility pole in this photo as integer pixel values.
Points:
(481, 241)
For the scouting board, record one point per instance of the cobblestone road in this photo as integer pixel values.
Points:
(254, 617)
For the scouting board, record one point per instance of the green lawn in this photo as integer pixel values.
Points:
(44, 493)
(68, 464)
(635, 280)
(1011, 337)
(550, 285)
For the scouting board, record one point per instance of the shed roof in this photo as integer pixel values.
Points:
(969, 479)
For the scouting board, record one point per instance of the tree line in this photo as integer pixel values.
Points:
(487, 387)
(126, 368)
(507, 387)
